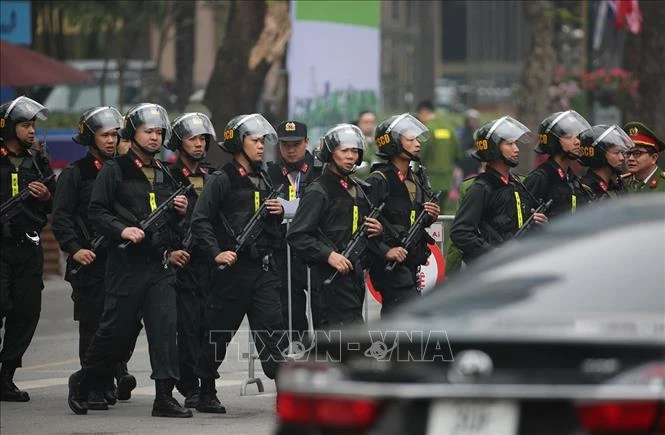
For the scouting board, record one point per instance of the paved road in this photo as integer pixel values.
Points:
(52, 357)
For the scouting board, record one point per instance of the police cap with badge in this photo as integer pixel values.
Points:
(291, 131)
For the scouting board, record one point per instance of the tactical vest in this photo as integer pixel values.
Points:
(240, 203)
(184, 176)
(12, 181)
(401, 213)
(560, 189)
(506, 206)
(88, 167)
(136, 195)
(598, 190)
(344, 213)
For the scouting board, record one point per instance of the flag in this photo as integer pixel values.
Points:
(627, 15)
(622, 13)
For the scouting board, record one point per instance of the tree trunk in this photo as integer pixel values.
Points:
(532, 94)
(184, 53)
(643, 56)
(254, 39)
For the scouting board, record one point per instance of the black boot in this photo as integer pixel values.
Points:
(190, 391)
(165, 405)
(126, 382)
(9, 392)
(208, 401)
(109, 391)
(78, 392)
(96, 400)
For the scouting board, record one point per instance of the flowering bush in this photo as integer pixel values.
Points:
(611, 85)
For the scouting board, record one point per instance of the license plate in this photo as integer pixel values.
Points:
(473, 417)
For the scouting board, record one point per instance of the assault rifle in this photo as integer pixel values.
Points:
(542, 208)
(253, 229)
(94, 245)
(415, 231)
(10, 208)
(356, 246)
(156, 218)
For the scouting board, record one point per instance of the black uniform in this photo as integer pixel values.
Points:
(73, 230)
(250, 286)
(492, 210)
(137, 280)
(597, 189)
(404, 198)
(328, 213)
(192, 282)
(550, 181)
(22, 263)
(295, 177)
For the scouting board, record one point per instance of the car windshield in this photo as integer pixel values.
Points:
(620, 272)
(80, 97)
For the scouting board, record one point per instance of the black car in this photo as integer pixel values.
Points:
(560, 333)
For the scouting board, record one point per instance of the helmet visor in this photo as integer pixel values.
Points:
(511, 130)
(193, 124)
(256, 125)
(150, 116)
(344, 136)
(568, 124)
(103, 118)
(408, 126)
(25, 109)
(614, 136)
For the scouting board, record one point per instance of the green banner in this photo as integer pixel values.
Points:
(357, 12)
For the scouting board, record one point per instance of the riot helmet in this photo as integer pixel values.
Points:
(388, 133)
(19, 110)
(247, 125)
(190, 125)
(341, 136)
(148, 115)
(600, 139)
(557, 126)
(489, 136)
(103, 118)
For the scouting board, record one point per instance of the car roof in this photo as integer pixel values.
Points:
(599, 272)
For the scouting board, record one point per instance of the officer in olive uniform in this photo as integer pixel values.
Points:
(497, 204)
(192, 135)
(98, 130)
(295, 169)
(127, 190)
(603, 152)
(332, 209)
(398, 139)
(23, 162)
(441, 153)
(558, 136)
(248, 283)
(644, 175)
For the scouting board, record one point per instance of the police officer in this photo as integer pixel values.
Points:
(453, 254)
(98, 130)
(331, 210)
(497, 203)
(248, 283)
(295, 169)
(23, 163)
(603, 152)
(558, 136)
(126, 191)
(644, 175)
(398, 140)
(192, 135)
(441, 153)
